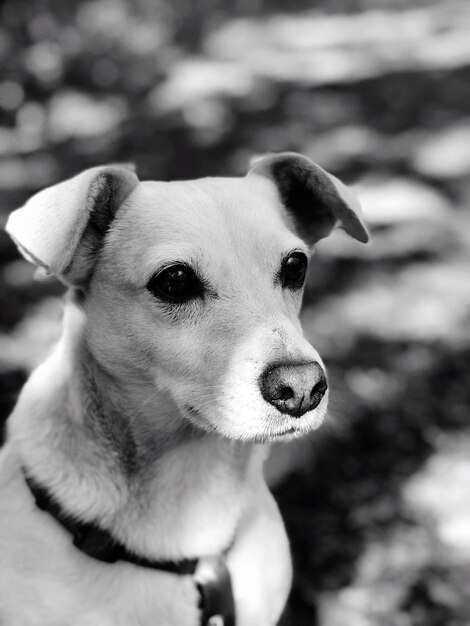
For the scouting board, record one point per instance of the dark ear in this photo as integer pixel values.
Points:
(316, 200)
(61, 227)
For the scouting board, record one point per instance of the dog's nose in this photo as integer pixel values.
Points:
(294, 388)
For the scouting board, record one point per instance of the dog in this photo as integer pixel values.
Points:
(131, 482)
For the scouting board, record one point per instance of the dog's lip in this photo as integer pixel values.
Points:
(192, 411)
(283, 433)
(197, 418)
(288, 431)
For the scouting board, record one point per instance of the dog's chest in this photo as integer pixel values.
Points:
(64, 586)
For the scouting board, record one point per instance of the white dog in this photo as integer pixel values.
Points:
(131, 484)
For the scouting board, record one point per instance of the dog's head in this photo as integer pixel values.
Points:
(194, 288)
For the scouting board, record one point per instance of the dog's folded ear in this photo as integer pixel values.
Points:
(316, 200)
(61, 227)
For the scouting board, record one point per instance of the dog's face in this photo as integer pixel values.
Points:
(205, 279)
(195, 287)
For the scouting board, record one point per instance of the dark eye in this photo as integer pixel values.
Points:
(176, 284)
(293, 270)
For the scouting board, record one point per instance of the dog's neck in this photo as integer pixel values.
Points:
(114, 451)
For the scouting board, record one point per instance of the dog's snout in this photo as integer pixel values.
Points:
(294, 388)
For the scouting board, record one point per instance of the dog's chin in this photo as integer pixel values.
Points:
(301, 427)
(272, 437)
(274, 428)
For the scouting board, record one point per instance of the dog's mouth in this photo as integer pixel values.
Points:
(285, 434)
(197, 418)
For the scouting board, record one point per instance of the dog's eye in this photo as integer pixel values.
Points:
(293, 270)
(177, 284)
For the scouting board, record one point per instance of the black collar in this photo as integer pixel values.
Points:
(214, 583)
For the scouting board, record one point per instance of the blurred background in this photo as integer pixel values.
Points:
(377, 503)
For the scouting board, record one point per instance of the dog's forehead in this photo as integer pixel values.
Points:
(212, 216)
(208, 204)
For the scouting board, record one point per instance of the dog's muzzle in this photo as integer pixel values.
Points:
(294, 388)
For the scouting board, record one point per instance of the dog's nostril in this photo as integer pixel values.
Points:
(286, 393)
(317, 393)
(319, 388)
